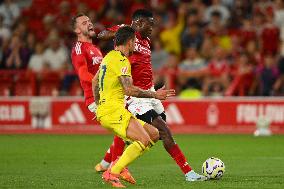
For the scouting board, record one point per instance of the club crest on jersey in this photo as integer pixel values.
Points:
(91, 52)
(124, 70)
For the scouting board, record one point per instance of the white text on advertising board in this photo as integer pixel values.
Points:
(250, 113)
(12, 112)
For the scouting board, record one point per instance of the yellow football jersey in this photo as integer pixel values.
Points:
(113, 65)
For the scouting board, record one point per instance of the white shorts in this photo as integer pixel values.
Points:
(139, 106)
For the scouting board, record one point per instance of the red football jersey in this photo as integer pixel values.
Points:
(246, 36)
(217, 68)
(141, 68)
(270, 39)
(86, 59)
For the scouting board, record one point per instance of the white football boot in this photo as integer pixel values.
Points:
(192, 176)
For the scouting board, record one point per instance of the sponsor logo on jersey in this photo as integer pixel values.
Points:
(73, 115)
(141, 49)
(97, 60)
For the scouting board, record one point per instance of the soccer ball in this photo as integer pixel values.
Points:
(213, 168)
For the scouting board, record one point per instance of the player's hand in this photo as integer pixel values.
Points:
(163, 93)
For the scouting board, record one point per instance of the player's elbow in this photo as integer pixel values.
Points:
(105, 35)
(101, 35)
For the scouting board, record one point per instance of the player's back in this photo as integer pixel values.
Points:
(114, 64)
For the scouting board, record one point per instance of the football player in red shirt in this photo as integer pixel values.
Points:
(148, 110)
(270, 37)
(86, 59)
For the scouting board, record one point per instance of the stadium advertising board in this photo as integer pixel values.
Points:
(226, 115)
(14, 113)
(73, 115)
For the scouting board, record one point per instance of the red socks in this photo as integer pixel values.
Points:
(118, 148)
(180, 159)
(114, 151)
(108, 155)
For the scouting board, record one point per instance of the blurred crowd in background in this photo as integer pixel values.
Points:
(199, 47)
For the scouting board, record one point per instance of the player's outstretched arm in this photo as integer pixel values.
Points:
(106, 35)
(131, 90)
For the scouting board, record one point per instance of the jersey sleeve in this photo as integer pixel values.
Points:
(123, 67)
(80, 63)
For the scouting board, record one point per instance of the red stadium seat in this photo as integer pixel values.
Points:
(25, 84)
(35, 24)
(75, 89)
(26, 12)
(6, 84)
(49, 84)
(94, 5)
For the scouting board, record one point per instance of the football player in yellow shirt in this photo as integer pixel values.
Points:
(115, 81)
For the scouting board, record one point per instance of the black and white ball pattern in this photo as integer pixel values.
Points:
(213, 168)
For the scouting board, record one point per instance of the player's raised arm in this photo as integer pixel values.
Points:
(106, 35)
(109, 33)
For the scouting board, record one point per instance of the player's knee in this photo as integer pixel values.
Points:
(166, 131)
(155, 135)
(145, 142)
(153, 132)
(161, 125)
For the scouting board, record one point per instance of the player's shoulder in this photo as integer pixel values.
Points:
(115, 55)
(78, 48)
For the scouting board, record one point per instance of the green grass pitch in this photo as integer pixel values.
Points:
(59, 161)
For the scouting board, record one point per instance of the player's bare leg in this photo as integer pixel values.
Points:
(143, 139)
(117, 150)
(173, 149)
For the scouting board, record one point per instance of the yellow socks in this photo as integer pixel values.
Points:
(132, 152)
(150, 145)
